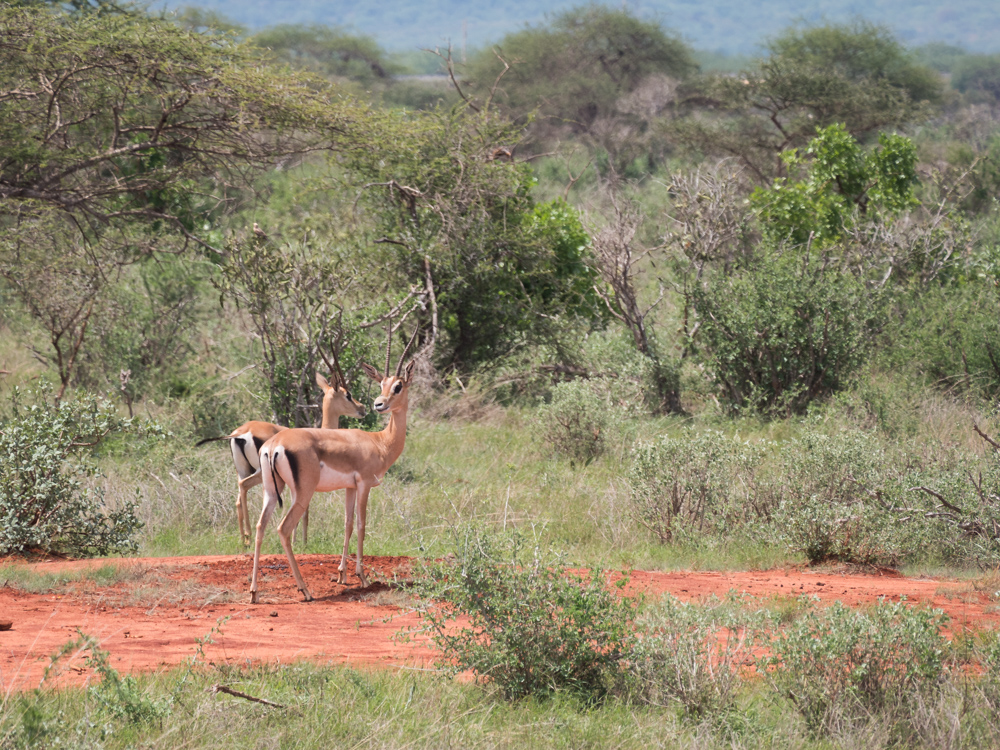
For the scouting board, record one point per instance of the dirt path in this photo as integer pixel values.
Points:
(152, 619)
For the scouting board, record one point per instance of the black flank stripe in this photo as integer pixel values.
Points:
(270, 465)
(293, 466)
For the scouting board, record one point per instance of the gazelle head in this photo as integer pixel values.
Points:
(394, 387)
(337, 400)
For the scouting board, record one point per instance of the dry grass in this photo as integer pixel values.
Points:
(121, 584)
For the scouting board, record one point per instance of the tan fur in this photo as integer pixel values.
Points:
(327, 460)
(335, 404)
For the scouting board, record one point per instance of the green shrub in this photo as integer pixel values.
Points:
(706, 482)
(835, 661)
(44, 504)
(523, 623)
(826, 510)
(785, 329)
(949, 336)
(580, 419)
(694, 654)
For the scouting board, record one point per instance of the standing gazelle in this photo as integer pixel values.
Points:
(311, 460)
(246, 440)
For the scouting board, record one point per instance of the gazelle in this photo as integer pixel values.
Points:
(311, 460)
(246, 440)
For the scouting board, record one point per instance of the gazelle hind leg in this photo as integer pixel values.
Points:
(245, 484)
(349, 500)
(305, 529)
(285, 530)
(270, 501)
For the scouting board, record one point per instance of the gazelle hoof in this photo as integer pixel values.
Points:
(306, 594)
(253, 597)
(341, 578)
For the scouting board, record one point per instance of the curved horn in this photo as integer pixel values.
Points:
(399, 367)
(336, 362)
(334, 370)
(388, 346)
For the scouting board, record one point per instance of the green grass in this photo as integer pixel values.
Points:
(337, 706)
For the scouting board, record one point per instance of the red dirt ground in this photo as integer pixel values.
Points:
(343, 624)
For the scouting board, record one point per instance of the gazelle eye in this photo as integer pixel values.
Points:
(397, 388)
(348, 394)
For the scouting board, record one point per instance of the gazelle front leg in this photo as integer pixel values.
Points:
(270, 501)
(349, 500)
(362, 512)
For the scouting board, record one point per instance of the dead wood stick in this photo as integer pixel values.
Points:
(238, 694)
(944, 502)
(985, 437)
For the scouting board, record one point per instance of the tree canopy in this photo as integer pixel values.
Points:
(112, 118)
(577, 69)
(856, 74)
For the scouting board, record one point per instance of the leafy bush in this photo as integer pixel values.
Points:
(836, 661)
(705, 481)
(825, 510)
(978, 76)
(579, 419)
(842, 184)
(948, 335)
(694, 654)
(119, 697)
(527, 625)
(785, 329)
(44, 504)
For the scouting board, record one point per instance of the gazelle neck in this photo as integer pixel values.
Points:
(331, 419)
(394, 434)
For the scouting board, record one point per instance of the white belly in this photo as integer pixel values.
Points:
(330, 479)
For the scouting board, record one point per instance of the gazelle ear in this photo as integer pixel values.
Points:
(408, 371)
(322, 382)
(371, 372)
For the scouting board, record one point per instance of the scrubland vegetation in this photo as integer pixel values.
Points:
(666, 317)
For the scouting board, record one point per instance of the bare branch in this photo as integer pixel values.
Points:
(229, 691)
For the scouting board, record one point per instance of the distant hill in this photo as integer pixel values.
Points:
(732, 27)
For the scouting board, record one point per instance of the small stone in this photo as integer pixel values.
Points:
(274, 613)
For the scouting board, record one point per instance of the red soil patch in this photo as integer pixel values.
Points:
(343, 624)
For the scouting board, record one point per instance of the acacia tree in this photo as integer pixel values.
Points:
(856, 74)
(618, 260)
(127, 137)
(593, 72)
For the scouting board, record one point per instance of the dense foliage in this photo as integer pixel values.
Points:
(46, 501)
(528, 628)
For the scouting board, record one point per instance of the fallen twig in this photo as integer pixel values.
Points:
(238, 694)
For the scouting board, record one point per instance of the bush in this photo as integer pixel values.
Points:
(826, 511)
(694, 654)
(528, 626)
(44, 504)
(704, 481)
(948, 335)
(785, 329)
(836, 661)
(579, 420)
